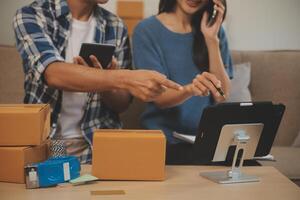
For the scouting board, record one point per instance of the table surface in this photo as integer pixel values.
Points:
(182, 182)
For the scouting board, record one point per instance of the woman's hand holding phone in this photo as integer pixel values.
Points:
(210, 31)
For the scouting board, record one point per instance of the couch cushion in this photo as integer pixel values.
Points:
(275, 77)
(287, 161)
(296, 143)
(240, 83)
(131, 118)
(11, 76)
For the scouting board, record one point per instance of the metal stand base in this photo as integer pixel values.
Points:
(235, 175)
(223, 178)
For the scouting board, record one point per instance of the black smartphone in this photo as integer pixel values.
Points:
(212, 13)
(103, 52)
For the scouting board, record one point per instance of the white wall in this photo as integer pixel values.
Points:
(7, 10)
(263, 24)
(250, 24)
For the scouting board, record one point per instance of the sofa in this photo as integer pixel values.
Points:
(274, 77)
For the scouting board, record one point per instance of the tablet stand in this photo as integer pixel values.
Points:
(235, 175)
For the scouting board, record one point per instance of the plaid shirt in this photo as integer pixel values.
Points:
(42, 32)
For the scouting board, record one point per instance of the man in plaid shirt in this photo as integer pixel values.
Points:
(49, 34)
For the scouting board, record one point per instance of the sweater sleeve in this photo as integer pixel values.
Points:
(225, 53)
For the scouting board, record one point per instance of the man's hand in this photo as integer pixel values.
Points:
(143, 84)
(147, 85)
(80, 61)
(113, 64)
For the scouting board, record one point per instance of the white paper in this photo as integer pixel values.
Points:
(32, 176)
(67, 176)
(268, 157)
(187, 138)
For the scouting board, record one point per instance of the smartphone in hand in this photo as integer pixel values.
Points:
(103, 52)
(212, 17)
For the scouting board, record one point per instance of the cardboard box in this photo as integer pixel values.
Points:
(131, 24)
(129, 154)
(13, 160)
(24, 124)
(130, 9)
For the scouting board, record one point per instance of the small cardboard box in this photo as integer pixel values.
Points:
(131, 24)
(130, 9)
(13, 160)
(129, 155)
(24, 124)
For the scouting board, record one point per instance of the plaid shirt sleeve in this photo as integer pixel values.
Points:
(34, 45)
(122, 52)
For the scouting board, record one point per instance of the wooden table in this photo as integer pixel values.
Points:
(182, 182)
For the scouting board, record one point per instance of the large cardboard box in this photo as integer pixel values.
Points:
(13, 160)
(129, 154)
(24, 124)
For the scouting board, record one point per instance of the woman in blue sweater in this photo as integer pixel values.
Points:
(182, 43)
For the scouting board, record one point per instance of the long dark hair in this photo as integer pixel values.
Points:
(200, 52)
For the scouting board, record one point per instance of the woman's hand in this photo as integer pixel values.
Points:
(211, 32)
(203, 85)
(192, 90)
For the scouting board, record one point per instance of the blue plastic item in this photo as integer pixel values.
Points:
(52, 172)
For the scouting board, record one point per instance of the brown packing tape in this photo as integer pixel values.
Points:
(45, 123)
(22, 108)
(108, 192)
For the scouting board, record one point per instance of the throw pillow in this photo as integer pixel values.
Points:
(297, 141)
(240, 83)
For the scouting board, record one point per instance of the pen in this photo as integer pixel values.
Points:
(221, 92)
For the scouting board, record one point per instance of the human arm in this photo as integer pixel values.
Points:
(217, 77)
(147, 54)
(144, 84)
(198, 87)
(44, 64)
(117, 100)
(216, 64)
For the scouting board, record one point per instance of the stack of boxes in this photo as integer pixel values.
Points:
(117, 154)
(23, 138)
